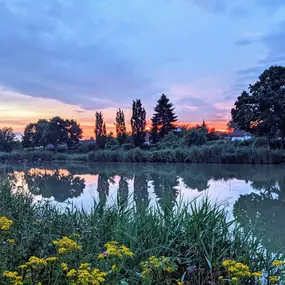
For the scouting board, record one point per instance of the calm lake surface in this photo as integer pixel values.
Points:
(253, 194)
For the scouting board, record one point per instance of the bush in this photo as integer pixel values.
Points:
(194, 137)
(127, 146)
(260, 142)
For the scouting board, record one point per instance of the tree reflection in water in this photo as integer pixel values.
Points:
(141, 191)
(47, 183)
(263, 212)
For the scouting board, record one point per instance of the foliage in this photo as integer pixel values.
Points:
(7, 139)
(262, 110)
(192, 244)
(195, 137)
(138, 123)
(163, 118)
(54, 131)
(121, 127)
(100, 130)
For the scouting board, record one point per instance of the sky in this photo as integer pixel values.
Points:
(72, 58)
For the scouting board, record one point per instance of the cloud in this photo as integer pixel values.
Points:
(251, 70)
(64, 50)
(215, 6)
(240, 12)
(194, 109)
(270, 3)
(275, 43)
(243, 42)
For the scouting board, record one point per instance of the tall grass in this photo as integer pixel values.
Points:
(196, 237)
(209, 153)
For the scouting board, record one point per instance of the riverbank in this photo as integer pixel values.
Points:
(119, 244)
(216, 153)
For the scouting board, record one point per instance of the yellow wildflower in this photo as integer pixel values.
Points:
(39, 283)
(23, 267)
(278, 263)
(5, 223)
(85, 276)
(11, 240)
(71, 273)
(66, 245)
(234, 279)
(14, 277)
(113, 249)
(114, 267)
(36, 262)
(273, 279)
(257, 274)
(180, 282)
(64, 267)
(51, 259)
(221, 277)
(85, 266)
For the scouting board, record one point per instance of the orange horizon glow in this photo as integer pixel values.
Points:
(88, 128)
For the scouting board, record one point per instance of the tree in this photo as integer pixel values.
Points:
(74, 132)
(262, 111)
(163, 119)
(138, 123)
(28, 139)
(103, 188)
(121, 127)
(54, 131)
(100, 130)
(7, 139)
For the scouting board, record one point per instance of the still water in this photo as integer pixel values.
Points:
(253, 194)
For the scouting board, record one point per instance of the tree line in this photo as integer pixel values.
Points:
(259, 111)
(163, 122)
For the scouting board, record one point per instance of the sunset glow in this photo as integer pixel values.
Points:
(73, 59)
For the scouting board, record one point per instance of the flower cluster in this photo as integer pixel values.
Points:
(51, 259)
(278, 263)
(85, 275)
(36, 262)
(114, 249)
(14, 277)
(154, 264)
(238, 270)
(66, 245)
(273, 279)
(5, 224)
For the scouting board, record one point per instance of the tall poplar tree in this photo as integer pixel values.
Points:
(138, 123)
(121, 127)
(100, 130)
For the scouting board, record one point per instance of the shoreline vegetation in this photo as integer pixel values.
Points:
(196, 243)
(216, 152)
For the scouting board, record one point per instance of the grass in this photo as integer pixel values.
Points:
(224, 153)
(195, 239)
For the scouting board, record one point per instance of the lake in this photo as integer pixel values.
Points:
(253, 194)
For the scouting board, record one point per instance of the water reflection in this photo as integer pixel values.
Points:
(257, 192)
(264, 211)
(59, 185)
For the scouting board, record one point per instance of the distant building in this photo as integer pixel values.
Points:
(238, 135)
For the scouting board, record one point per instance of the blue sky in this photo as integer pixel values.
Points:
(74, 57)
